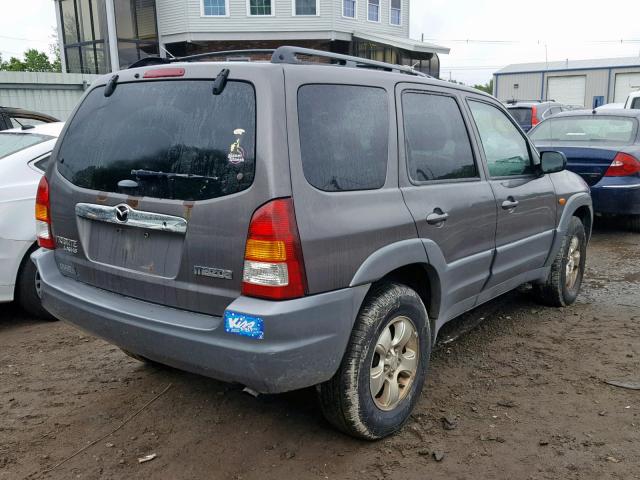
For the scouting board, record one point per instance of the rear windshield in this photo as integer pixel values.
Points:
(163, 139)
(14, 142)
(522, 115)
(592, 128)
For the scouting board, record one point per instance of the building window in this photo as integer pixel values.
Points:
(215, 8)
(349, 8)
(305, 7)
(83, 25)
(373, 10)
(136, 29)
(260, 7)
(395, 12)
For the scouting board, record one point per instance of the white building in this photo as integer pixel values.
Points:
(588, 83)
(98, 36)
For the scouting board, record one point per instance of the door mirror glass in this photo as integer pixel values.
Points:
(552, 162)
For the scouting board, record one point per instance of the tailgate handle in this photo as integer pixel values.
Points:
(124, 215)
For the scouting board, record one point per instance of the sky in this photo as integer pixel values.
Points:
(484, 35)
(502, 32)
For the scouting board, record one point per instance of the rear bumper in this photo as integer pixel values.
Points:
(304, 339)
(617, 196)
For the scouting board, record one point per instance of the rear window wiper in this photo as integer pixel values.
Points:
(169, 175)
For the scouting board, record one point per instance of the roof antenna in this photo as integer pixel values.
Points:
(173, 57)
(221, 81)
(111, 86)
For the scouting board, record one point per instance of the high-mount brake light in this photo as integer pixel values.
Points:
(43, 216)
(273, 264)
(623, 165)
(164, 72)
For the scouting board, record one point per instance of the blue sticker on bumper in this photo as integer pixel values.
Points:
(244, 325)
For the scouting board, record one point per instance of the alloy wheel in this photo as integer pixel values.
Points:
(395, 363)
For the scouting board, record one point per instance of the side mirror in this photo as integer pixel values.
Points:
(553, 162)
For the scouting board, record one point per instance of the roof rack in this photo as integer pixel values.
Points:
(537, 100)
(289, 55)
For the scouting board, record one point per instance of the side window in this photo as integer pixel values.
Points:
(504, 147)
(344, 136)
(436, 139)
(42, 163)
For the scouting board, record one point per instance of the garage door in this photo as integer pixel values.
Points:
(569, 90)
(625, 84)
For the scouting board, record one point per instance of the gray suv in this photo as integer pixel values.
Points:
(284, 224)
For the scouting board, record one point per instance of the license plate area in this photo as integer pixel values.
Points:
(153, 252)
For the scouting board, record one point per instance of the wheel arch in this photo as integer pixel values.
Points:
(404, 262)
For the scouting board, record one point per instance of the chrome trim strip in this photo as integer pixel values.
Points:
(635, 185)
(132, 218)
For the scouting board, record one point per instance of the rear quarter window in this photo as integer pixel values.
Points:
(522, 115)
(344, 136)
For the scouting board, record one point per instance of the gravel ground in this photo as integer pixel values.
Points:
(515, 390)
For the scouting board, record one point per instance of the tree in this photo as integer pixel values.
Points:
(487, 87)
(34, 61)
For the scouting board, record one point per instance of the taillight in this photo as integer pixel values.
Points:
(623, 165)
(534, 116)
(43, 216)
(273, 264)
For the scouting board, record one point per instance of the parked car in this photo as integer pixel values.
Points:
(633, 101)
(528, 113)
(609, 106)
(23, 158)
(257, 227)
(603, 147)
(18, 117)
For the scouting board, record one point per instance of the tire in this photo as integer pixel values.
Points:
(560, 290)
(347, 400)
(633, 223)
(27, 291)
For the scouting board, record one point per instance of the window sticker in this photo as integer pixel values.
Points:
(236, 152)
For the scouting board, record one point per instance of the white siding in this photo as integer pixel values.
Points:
(185, 17)
(529, 86)
(55, 94)
(172, 16)
(362, 25)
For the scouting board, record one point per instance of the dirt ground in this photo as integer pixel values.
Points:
(518, 395)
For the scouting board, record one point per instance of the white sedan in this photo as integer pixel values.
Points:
(24, 154)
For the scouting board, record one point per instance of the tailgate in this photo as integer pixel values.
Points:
(154, 187)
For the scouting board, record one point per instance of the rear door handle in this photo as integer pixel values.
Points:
(437, 217)
(510, 203)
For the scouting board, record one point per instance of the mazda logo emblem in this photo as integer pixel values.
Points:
(122, 213)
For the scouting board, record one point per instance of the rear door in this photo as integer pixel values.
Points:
(154, 186)
(526, 201)
(445, 189)
(344, 174)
